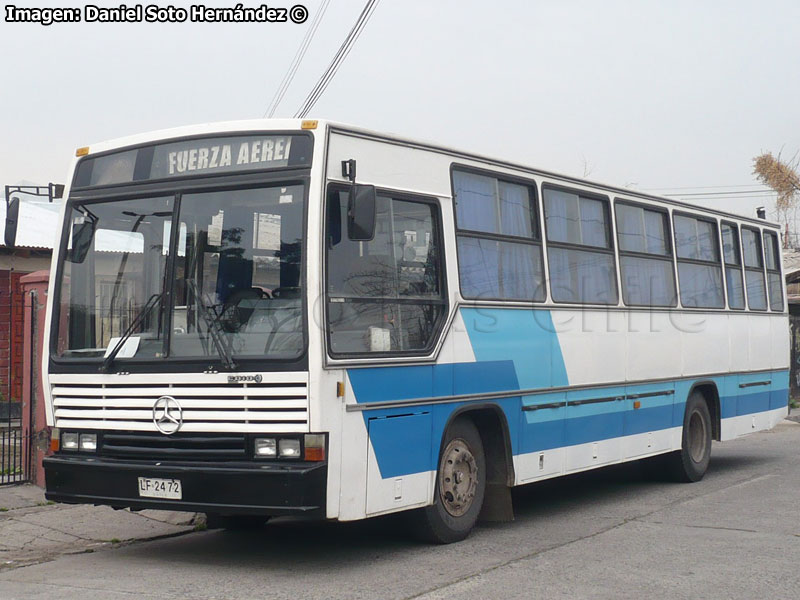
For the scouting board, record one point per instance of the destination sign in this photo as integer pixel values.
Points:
(225, 154)
(205, 156)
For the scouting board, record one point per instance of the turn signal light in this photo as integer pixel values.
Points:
(314, 447)
(55, 439)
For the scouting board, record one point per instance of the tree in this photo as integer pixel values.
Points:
(780, 175)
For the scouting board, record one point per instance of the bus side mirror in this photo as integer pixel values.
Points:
(56, 191)
(12, 216)
(82, 237)
(361, 213)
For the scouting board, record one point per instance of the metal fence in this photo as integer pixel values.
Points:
(794, 365)
(15, 455)
(15, 443)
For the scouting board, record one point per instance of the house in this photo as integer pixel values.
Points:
(37, 229)
(791, 271)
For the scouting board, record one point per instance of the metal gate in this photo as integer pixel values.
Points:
(794, 367)
(15, 447)
(15, 463)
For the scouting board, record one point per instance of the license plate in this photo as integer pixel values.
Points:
(150, 487)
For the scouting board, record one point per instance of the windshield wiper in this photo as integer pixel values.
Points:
(148, 306)
(213, 325)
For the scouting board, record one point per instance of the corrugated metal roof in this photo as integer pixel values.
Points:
(37, 225)
(791, 262)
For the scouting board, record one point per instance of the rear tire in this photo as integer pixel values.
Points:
(235, 522)
(690, 463)
(460, 487)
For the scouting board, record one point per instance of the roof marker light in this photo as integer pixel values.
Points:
(309, 124)
(82, 151)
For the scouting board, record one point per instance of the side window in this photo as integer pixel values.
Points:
(499, 246)
(645, 256)
(699, 270)
(754, 269)
(774, 279)
(580, 253)
(733, 265)
(384, 295)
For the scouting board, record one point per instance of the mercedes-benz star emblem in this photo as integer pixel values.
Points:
(167, 415)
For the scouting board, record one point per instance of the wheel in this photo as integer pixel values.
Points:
(460, 487)
(235, 522)
(689, 464)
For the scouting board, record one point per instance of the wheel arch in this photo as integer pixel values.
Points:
(708, 388)
(492, 425)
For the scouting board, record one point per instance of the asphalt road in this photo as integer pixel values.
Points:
(620, 532)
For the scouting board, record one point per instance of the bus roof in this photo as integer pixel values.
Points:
(254, 125)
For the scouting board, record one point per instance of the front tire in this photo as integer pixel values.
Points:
(690, 463)
(460, 487)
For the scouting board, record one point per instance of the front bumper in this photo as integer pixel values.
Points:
(226, 488)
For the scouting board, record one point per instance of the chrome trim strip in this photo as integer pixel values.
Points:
(595, 400)
(539, 391)
(650, 394)
(754, 383)
(530, 407)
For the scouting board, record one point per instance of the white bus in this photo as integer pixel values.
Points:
(285, 317)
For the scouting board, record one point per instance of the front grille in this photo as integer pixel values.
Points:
(277, 404)
(142, 445)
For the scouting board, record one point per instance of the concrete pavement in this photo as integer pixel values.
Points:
(619, 532)
(33, 530)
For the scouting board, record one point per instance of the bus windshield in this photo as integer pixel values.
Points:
(227, 283)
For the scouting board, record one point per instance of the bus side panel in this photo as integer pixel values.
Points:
(552, 433)
(759, 400)
(403, 479)
(542, 441)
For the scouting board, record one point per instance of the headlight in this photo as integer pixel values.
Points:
(88, 442)
(265, 447)
(69, 440)
(289, 448)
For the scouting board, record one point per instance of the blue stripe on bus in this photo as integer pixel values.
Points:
(753, 402)
(381, 384)
(535, 430)
(643, 420)
(519, 349)
(526, 355)
(546, 435)
(390, 431)
(526, 337)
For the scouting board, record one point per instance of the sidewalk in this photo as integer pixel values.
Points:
(33, 530)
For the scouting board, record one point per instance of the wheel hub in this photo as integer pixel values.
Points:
(697, 437)
(458, 478)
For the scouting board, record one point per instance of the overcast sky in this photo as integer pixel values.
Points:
(651, 94)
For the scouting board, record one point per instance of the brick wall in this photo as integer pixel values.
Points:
(11, 335)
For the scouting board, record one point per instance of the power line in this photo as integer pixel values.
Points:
(701, 187)
(329, 73)
(744, 196)
(757, 192)
(298, 58)
(338, 59)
